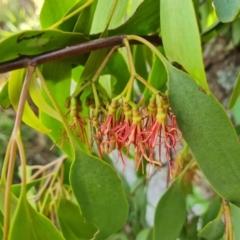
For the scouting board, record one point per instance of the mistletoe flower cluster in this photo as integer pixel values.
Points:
(149, 130)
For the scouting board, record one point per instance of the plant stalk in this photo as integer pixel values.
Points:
(13, 149)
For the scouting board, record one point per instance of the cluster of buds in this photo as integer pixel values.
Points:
(149, 130)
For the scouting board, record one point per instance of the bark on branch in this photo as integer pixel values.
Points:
(70, 51)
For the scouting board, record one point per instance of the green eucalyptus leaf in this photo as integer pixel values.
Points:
(208, 132)
(28, 224)
(140, 61)
(83, 26)
(235, 214)
(1, 231)
(157, 78)
(237, 129)
(72, 223)
(145, 234)
(235, 93)
(190, 229)
(132, 6)
(99, 193)
(4, 97)
(170, 213)
(212, 211)
(117, 67)
(37, 97)
(15, 84)
(93, 63)
(144, 21)
(214, 229)
(103, 12)
(140, 199)
(13, 201)
(181, 38)
(227, 10)
(235, 32)
(69, 24)
(53, 10)
(106, 84)
(118, 236)
(140, 64)
(208, 16)
(32, 42)
(236, 112)
(58, 79)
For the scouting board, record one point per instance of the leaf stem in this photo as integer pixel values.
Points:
(151, 88)
(95, 94)
(51, 182)
(55, 105)
(122, 93)
(13, 149)
(5, 163)
(151, 46)
(23, 164)
(103, 64)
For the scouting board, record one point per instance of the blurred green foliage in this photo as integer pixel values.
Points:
(17, 15)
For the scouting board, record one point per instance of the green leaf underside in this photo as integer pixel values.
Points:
(208, 132)
(32, 42)
(72, 222)
(213, 230)
(170, 213)
(235, 93)
(181, 38)
(145, 20)
(28, 224)
(227, 10)
(99, 193)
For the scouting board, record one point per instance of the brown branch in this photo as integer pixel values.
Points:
(69, 51)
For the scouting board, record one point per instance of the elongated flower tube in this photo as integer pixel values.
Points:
(78, 124)
(159, 135)
(110, 122)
